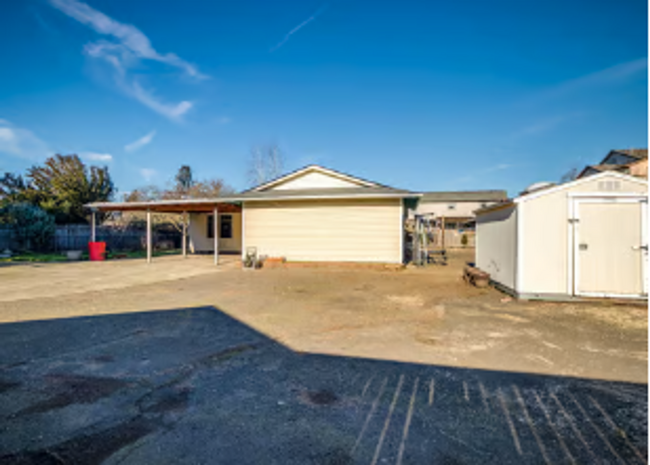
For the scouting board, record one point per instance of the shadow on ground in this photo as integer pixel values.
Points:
(197, 386)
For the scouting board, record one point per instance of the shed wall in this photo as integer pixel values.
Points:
(496, 245)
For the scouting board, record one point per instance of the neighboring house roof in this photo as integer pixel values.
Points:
(464, 196)
(639, 154)
(318, 169)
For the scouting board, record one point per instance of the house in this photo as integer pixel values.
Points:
(451, 214)
(629, 161)
(314, 214)
(457, 208)
(587, 237)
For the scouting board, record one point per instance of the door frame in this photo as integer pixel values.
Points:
(577, 198)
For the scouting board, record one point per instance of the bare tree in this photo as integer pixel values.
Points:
(266, 163)
(569, 175)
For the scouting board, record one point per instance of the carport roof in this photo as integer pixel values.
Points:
(233, 201)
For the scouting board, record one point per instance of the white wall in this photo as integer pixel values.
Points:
(462, 210)
(315, 180)
(496, 245)
(544, 241)
(198, 234)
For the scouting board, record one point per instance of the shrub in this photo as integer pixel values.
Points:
(31, 226)
(464, 240)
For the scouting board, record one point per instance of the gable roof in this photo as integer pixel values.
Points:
(634, 154)
(465, 196)
(567, 185)
(600, 168)
(315, 169)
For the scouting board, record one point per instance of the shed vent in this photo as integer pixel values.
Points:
(609, 186)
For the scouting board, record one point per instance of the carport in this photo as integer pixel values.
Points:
(183, 207)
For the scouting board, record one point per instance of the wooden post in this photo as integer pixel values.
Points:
(215, 230)
(92, 227)
(185, 234)
(148, 236)
(442, 226)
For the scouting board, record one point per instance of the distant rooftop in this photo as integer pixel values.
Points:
(634, 153)
(465, 196)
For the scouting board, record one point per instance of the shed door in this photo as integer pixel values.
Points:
(611, 248)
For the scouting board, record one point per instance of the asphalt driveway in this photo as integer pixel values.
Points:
(198, 386)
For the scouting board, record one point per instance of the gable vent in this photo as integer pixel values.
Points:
(609, 186)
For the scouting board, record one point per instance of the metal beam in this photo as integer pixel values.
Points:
(215, 230)
(148, 236)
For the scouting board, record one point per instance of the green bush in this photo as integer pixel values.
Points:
(31, 226)
(464, 240)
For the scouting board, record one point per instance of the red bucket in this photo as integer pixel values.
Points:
(97, 251)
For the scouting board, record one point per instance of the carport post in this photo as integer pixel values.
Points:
(215, 230)
(185, 234)
(148, 236)
(92, 226)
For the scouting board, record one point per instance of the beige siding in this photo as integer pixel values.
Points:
(314, 180)
(326, 230)
(496, 245)
(198, 234)
(544, 242)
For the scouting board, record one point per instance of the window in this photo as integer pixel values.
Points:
(451, 206)
(210, 226)
(225, 226)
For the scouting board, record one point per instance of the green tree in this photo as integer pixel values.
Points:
(63, 185)
(184, 179)
(31, 226)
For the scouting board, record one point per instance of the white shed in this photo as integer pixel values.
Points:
(585, 238)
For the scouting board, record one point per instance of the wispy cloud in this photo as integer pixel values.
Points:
(614, 75)
(141, 142)
(94, 156)
(128, 47)
(223, 120)
(316, 14)
(22, 143)
(542, 126)
(488, 169)
(148, 174)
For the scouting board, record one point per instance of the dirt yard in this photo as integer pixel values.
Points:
(181, 362)
(414, 315)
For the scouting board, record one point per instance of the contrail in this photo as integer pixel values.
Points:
(299, 27)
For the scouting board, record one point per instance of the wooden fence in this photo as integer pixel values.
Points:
(77, 236)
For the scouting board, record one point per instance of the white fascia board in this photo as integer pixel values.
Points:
(577, 182)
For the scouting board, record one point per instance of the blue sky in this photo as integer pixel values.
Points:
(417, 94)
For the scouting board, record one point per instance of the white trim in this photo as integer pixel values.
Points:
(215, 234)
(615, 296)
(644, 242)
(217, 200)
(576, 240)
(630, 198)
(606, 194)
(318, 169)
(577, 182)
(570, 246)
(400, 231)
(243, 231)
(519, 250)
